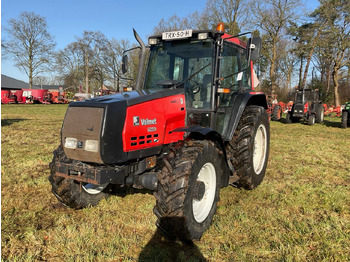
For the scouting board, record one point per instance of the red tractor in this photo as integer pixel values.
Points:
(275, 108)
(192, 126)
(306, 106)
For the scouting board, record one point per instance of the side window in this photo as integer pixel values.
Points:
(234, 72)
(230, 65)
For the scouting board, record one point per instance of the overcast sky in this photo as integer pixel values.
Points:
(67, 19)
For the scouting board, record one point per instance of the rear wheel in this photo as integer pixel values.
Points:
(250, 147)
(311, 120)
(188, 189)
(344, 119)
(319, 113)
(277, 113)
(71, 193)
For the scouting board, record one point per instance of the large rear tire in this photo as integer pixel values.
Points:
(250, 147)
(71, 193)
(277, 113)
(188, 189)
(319, 113)
(345, 119)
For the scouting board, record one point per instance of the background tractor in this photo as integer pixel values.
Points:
(306, 106)
(345, 117)
(192, 126)
(275, 108)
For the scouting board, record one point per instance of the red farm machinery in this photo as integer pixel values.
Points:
(193, 125)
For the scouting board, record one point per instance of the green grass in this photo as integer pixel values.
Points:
(299, 213)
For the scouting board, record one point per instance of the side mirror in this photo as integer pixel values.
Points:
(253, 48)
(124, 64)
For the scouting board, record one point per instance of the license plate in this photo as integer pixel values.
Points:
(177, 34)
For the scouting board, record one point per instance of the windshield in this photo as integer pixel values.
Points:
(182, 64)
(299, 97)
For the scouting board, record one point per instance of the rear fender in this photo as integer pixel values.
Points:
(242, 100)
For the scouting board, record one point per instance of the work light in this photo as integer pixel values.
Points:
(91, 145)
(70, 143)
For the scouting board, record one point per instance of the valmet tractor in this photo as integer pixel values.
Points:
(307, 106)
(192, 125)
(345, 116)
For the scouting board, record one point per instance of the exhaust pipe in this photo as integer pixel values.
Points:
(139, 77)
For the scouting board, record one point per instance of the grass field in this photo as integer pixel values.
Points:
(299, 213)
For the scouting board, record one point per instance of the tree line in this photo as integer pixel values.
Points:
(304, 50)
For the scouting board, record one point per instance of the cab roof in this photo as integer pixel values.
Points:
(211, 34)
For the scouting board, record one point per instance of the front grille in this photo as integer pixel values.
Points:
(142, 140)
(83, 123)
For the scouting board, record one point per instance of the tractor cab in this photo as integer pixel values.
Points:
(307, 95)
(210, 66)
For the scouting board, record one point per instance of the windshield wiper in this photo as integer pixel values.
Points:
(195, 73)
(175, 83)
(236, 73)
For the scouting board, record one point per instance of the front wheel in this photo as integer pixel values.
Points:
(250, 147)
(188, 189)
(344, 119)
(288, 118)
(311, 120)
(71, 193)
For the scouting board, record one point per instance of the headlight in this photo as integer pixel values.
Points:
(152, 41)
(202, 36)
(71, 143)
(91, 145)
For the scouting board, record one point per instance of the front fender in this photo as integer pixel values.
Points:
(206, 133)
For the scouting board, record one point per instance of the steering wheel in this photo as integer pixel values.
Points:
(196, 87)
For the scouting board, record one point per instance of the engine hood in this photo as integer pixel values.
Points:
(130, 98)
(102, 119)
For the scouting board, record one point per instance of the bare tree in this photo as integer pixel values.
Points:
(339, 32)
(69, 64)
(272, 17)
(112, 60)
(92, 44)
(287, 62)
(172, 24)
(232, 12)
(29, 43)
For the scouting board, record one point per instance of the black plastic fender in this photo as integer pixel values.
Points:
(241, 101)
(206, 133)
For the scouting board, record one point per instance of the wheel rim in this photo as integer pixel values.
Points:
(201, 208)
(312, 120)
(259, 151)
(94, 189)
